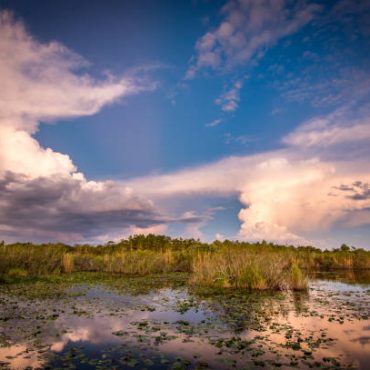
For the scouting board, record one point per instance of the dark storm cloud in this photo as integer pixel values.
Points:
(358, 190)
(72, 209)
(68, 205)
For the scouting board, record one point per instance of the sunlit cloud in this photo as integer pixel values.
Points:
(43, 196)
(324, 132)
(287, 194)
(318, 179)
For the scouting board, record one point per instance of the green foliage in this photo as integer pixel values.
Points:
(219, 264)
(298, 280)
(15, 272)
(252, 278)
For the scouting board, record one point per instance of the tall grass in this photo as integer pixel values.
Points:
(67, 262)
(241, 268)
(219, 264)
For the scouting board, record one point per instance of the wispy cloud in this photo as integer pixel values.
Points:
(214, 123)
(249, 27)
(201, 219)
(337, 86)
(241, 139)
(229, 101)
(326, 132)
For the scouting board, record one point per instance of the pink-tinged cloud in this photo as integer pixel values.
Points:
(288, 194)
(326, 132)
(42, 194)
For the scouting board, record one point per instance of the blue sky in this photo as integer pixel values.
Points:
(268, 99)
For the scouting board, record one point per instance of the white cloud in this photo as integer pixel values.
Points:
(338, 84)
(248, 27)
(229, 101)
(241, 139)
(43, 196)
(76, 335)
(219, 236)
(287, 195)
(40, 83)
(214, 123)
(325, 132)
(20, 152)
(156, 229)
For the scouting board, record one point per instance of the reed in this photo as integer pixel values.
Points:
(219, 264)
(67, 263)
(241, 268)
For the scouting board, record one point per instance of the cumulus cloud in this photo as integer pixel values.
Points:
(290, 193)
(42, 195)
(39, 82)
(287, 195)
(248, 27)
(69, 207)
(20, 152)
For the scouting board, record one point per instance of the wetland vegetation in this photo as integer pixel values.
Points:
(252, 266)
(159, 303)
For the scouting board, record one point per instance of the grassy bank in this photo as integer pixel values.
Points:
(219, 264)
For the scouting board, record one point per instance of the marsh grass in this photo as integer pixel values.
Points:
(16, 273)
(67, 263)
(240, 268)
(254, 266)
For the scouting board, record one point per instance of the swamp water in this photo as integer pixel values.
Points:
(89, 321)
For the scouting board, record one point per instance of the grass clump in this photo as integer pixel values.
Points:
(298, 280)
(67, 263)
(252, 278)
(241, 268)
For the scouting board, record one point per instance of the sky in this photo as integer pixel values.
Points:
(234, 119)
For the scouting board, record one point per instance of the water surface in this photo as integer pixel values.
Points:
(159, 323)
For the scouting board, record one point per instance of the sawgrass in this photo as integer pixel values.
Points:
(254, 266)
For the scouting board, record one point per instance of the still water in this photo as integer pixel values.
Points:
(159, 323)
